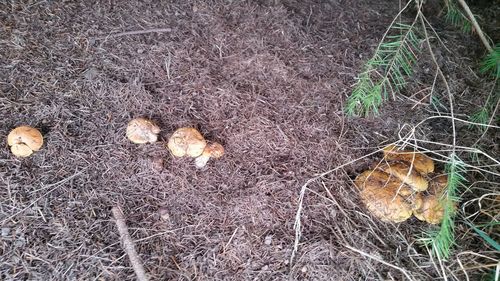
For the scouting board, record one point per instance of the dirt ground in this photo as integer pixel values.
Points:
(268, 80)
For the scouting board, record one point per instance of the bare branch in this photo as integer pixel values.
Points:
(476, 25)
(128, 244)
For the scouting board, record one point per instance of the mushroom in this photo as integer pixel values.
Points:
(409, 176)
(141, 130)
(186, 142)
(433, 203)
(422, 163)
(24, 140)
(382, 196)
(212, 150)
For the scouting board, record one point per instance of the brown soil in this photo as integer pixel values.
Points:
(268, 80)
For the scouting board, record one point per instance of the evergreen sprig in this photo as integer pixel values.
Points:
(455, 17)
(442, 240)
(491, 63)
(385, 73)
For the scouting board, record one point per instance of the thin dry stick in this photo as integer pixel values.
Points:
(128, 244)
(298, 222)
(134, 32)
(476, 25)
(380, 260)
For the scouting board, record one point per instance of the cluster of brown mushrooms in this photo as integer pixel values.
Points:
(184, 142)
(402, 185)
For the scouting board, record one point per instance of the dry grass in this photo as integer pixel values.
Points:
(266, 80)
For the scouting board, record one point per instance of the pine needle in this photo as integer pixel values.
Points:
(442, 240)
(491, 64)
(385, 73)
(455, 17)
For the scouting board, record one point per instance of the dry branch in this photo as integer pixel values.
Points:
(476, 25)
(128, 245)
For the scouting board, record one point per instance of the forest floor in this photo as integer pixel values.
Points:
(268, 80)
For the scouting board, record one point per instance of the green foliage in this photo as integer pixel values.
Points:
(437, 103)
(385, 72)
(442, 240)
(482, 116)
(491, 63)
(455, 17)
(491, 276)
(486, 237)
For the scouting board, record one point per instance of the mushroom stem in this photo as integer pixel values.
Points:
(201, 161)
(212, 150)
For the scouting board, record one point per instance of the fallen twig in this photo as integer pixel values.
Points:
(133, 32)
(405, 273)
(128, 244)
(476, 25)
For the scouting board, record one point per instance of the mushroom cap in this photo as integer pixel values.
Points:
(186, 142)
(409, 176)
(433, 203)
(422, 163)
(214, 150)
(382, 179)
(24, 140)
(438, 184)
(431, 210)
(142, 130)
(379, 193)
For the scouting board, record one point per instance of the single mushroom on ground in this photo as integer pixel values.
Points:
(212, 150)
(420, 162)
(186, 142)
(142, 130)
(24, 140)
(433, 203)
(386, 197)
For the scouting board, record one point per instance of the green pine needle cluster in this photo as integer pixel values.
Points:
(482, 116)
(385, 72)
(442, 240)
(455, 17)
(491, 64)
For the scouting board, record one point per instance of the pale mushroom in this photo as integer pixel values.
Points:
(142, 130)
(24, 140)
(212, 150)
(433, 203)
(381, 195)
(186, 142)
(420, 162)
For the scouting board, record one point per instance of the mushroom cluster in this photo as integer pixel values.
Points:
(402, 185)
(184, 142)
(24, 140)
(189, 142)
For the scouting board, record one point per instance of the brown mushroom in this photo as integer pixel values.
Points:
(433, 203)
(381, 195)
(24, 140)
(142, 130)
(407, 175)
(422, 163)
(186, 142)
(212, 150)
